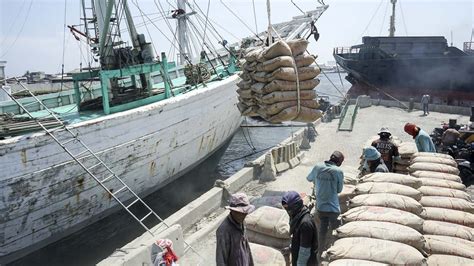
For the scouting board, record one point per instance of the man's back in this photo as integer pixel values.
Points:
(232, 247)
(423, 142)
(329, 181)
(387, 150)
(305, 234)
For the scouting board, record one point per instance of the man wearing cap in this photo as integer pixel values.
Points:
(232, 247)
(387, 148)
(422, 139)
(303, 231)
(374, 160)
(328, 181)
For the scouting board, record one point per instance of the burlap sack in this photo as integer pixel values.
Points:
(392, 188)
(429, 174)
(279, 48)
(448, 229)
(433, 167)
(288, 73)
(450, 216)
(291, 114)
(298, 46)
(272, 201)
(392, 178)
(269, 221)
(251, 111)
(272, 64)
(432, 154)
(346, 194)
(245, 94)
(248, 102)
(442, 183)
(438, 160)
(304, 60)
(282, 96)
(283, 85)
(253, 54)
(444, 192)
(267, 240)
(245, 75)
(405, 162)
(400, 168)
(250, 67)
(266, 256)
(263, 77)
(407, 149)
(308, 115)
(399, 202)
(449, 245)
(377, 250)
(445, 260)
(382, 230)
(383, 214)
(273, 109)
(447, 203)
(244, 84)
(351, 262)
(350, 179)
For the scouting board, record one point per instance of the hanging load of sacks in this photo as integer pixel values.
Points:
(277, 83)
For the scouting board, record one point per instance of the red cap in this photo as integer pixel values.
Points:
(411, 129)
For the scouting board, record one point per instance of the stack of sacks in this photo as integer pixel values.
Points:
(269, 226)
(382, 225)
(448, 210)
(406, 150)
(266, 256)
(269, 85)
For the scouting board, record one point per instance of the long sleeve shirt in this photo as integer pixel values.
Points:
(232, 247)
(328, 182)
(424, 143)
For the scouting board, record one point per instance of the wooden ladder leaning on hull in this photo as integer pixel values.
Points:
(87, 152)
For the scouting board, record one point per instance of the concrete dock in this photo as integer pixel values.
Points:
(200, 219)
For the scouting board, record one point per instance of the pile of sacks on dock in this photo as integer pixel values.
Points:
(425, 217)
(278, 81)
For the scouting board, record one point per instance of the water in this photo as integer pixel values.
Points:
(97, 241)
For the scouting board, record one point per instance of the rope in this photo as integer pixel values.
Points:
(241, 21)
(19, 32)
(403, 17)
(205, 25)
(148, 31)
(269, 31)
(384, 15)
(20, 10)
(254, 16)
(334, 85)
(297, 6)
(64, 44)
(372, 18)
(339, 73)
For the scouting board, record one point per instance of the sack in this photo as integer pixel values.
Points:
(308, 115)
(304, 60)
(253, 54)
(433, 167)
(284, 85)
(438, 160)
(282, 96)
(279, 48)
(399, 202)
(350, 179)
(407, 149)
(267, 240)
(443, 260)
(272, 64)
(448, 229)
(245, 94)
(288, 73)
(392, 178)
(400, 168)
(383, 214)
(291, 114)
(266, 256)
(431, 154)
(262, 77)
(346, 193)
(244, 84)
(245, 76)
(377, 250)
(449, 245)
(444, 192)
(442, 183)
(298, 46)
(428, 174)
(269, 221)
(350, 262)
(382, 230)
(381, 187)
(272, 109)
(450, 216)
(272, 201)
(447, 203)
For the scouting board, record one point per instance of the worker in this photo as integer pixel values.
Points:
(422, 139)
(374, 162)
(425, 100)
(303, 231)
(387, 148)
(232, 247)
(328, 180)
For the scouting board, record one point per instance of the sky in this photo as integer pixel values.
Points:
(32, 35)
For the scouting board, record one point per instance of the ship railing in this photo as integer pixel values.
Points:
(469, 47)
(346, 50)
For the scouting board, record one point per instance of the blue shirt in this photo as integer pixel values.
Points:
(424, 143)
(328, 180)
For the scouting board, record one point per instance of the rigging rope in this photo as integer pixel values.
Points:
(269, 30)
(19, 32)
(254, 16)
(384, 15)
(403, 18)
(15, 19)
(241, 21)
(205, 25)
(372, 18)
(64, 45)
(148, 31)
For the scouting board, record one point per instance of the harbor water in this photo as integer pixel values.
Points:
(97, 241)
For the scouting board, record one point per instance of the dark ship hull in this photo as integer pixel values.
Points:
(408, 67)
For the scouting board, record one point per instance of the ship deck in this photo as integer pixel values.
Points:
(367, 123)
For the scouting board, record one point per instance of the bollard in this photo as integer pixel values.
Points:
(269, 171)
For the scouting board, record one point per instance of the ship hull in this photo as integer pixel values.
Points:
(46, 196)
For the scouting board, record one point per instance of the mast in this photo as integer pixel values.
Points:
(392, 19)
(182, 30)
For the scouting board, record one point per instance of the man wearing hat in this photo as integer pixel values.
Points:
(328, 181)
(303, 231)
(232, 247)
(422, 139)
(387, 148)
(374, 160)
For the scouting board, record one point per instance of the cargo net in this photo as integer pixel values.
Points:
(271, 88)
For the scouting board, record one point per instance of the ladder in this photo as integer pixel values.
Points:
(86, 152)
